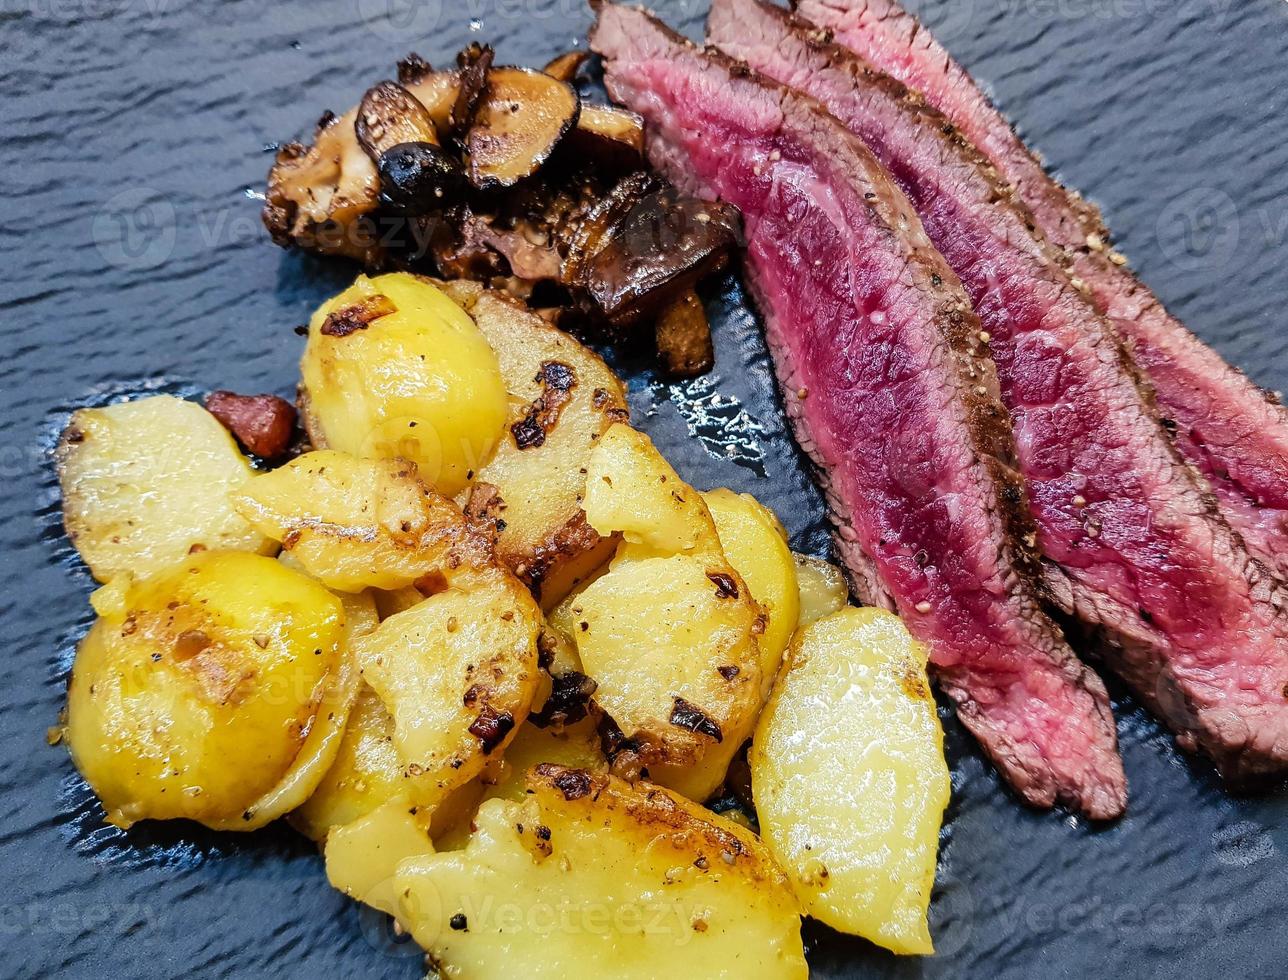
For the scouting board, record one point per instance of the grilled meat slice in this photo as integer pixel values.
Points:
(1136, 549)
(1233, 432)
(891, 392)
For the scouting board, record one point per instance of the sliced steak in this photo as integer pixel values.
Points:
(1135, 547)
(1234, 433)
(891, 392)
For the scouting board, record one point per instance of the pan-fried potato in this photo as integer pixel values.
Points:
(575, 746)
(394, 368)
(669, 633)
(362, 857)
(593, 875)
(357, 523)
(848, 773)
(204, 691)
(457, 673)
(756, 544)
(563, 397)
(367, 771)
(146, 482)
(822, 589)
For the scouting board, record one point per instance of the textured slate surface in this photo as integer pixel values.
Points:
(133, 259)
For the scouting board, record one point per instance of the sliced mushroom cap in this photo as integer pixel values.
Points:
(564, 67)
(664, 245)
(523, 116)
(587, 234)
(609, 137)
(390, 115)
(437, 91)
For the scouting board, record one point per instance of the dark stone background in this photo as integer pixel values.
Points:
(135, 134)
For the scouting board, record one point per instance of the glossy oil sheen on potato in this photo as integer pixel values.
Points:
(594, 877)
(146, 482)
(395, 368)
(849, 777)
(195, 691)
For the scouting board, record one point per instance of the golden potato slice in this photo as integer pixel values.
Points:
(362, 857)
(563, 398)
(593, 876)
(457, 673)
(631, 489)
(670, 632)
(823, 590)
(200, 691)
(575, 746)
(394, 368)
(848, 773)
(146, 482)
(357, 523)
(756, 544)
(366, 772)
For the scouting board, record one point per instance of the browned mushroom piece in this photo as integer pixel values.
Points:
(564, 67)
(437, 91)
(475, 64)
(418, 178)
(523, 116)
(609, 137)
(587, 233)
(643, 245)
(388, 116)
(684, 337)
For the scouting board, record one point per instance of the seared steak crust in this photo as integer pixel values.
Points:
(888, 384)
(1136, 548)
(1233, 432)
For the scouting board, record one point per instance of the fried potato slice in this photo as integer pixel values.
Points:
(670, 632)
(366, 772)
(362, 857)
(146, 482)
(823, 590)
(592, 875)
(394, 368)
(214, 691)
(457, 673)
(756, 544)
(849, 778)
(563, 397)
(358, 523)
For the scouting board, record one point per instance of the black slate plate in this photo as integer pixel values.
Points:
(133, 259)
